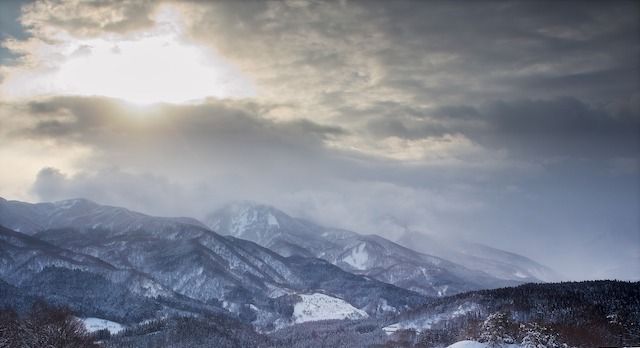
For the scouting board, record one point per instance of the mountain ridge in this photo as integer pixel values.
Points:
(195, 264)
(372, 255)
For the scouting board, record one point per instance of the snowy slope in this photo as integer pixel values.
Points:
(368, 255)
(317, 306)
(95, 324)
(358, 257)
(21, 256)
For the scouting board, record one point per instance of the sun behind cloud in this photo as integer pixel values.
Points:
(155, 65)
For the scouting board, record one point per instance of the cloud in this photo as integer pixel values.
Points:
(424, 54)
(135, 51)
(145, 192)
(50, 18)
(218, 130)
(563, 127)
(200, 156)
(371, 206)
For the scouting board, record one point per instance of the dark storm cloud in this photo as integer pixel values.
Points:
(500, 45)
(392, 67)
(216, 130)
(213, 130)
(561, 127)
(605, 83)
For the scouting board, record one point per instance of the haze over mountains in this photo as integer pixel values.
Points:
(432, 273)
(499, 263)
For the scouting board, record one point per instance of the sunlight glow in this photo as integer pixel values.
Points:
(155, 66)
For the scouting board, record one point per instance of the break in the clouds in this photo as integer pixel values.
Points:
(512, 123)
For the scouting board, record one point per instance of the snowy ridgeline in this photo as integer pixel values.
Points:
(317, 306)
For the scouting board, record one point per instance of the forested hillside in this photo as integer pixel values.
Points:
(583, 314)
(576, 314)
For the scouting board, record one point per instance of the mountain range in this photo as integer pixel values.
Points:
(177, 263)
(251, 260)
(437, 268)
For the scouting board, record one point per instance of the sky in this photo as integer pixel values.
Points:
(511, 123)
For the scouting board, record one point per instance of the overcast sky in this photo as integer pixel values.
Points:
(515, 124)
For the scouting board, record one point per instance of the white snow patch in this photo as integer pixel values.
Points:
(272, 221)
(322, 307)
(95, 324)
(358, 257)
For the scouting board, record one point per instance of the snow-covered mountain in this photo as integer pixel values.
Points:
(84, 282)
(83, 214)
(186, 260)
(498, 263)
(369, 255)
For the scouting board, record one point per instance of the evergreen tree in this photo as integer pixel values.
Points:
(537, 336)
(497, 330)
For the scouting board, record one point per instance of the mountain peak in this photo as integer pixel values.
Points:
(371, 255)
(237, 217)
